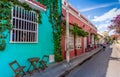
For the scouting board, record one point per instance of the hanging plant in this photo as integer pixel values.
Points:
(78, 31)
(54, 7)
(55, 19)
(5, 24)
(2, 45)
(63, 27)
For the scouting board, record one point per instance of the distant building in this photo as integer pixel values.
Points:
(101, 38)
(105, 33)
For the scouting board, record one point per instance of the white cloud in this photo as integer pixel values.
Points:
(96, 7)
(103, 26)
(107, 21)
(102, 22)
(107, 16)
(95, 16)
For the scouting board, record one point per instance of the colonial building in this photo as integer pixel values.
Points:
(79, 44)
(28, 38)
(36, 31)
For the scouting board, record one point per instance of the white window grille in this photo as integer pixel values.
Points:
(92, 39)
(71, 41)
(25, 27)
(78, 42)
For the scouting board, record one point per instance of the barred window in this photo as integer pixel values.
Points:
(24, 26)
(78, 42)
(92, 39)
(71, 42)
(71, 39)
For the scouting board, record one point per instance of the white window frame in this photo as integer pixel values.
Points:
(71, 41)
(78, 42)
(35, 31)
(92, 39)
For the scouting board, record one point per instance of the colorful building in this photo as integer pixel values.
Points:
(36, 32)
(77, 45)
(28, 38)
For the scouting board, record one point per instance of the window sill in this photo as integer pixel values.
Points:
(23, 42)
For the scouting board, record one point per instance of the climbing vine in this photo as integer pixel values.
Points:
(5, 18)
(54, 7)
(78, 31)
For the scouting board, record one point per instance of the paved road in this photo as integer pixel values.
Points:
(95, 67)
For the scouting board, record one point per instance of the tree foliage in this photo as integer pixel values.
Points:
(54, 7)
(115, 24)
(78, 31)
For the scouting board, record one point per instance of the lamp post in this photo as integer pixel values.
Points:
(67, 32)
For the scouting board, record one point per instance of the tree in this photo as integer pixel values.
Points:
(116, 24)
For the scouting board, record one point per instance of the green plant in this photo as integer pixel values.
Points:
(96, 37)
(58, 57)
(78, 31)
(5, 21)
(54, 7)
(5, 17)
(2, 45)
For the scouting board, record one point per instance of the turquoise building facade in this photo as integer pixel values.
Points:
(22, 51)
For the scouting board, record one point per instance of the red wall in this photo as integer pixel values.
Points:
(63, 47)
(72, 54)
(72, 20)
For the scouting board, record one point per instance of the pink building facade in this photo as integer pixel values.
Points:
(78, 46)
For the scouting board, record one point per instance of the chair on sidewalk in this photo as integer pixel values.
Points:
(43, 62)
(33, 64)
(18, 70)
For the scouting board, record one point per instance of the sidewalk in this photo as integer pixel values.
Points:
(59, 69)
(114, 62)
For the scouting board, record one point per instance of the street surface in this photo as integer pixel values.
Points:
(95, 67)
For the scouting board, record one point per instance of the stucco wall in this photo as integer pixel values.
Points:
(21, 52)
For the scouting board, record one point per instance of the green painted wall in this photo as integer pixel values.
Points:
(21, 52)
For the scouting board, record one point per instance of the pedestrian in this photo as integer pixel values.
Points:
(104, 46)
(90, 45)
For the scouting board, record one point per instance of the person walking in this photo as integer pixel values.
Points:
(104, 46)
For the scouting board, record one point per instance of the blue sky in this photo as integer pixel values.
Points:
(99, 12)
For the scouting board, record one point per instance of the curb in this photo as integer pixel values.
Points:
(67, 71)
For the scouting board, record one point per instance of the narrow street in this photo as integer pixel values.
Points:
(95, 67)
